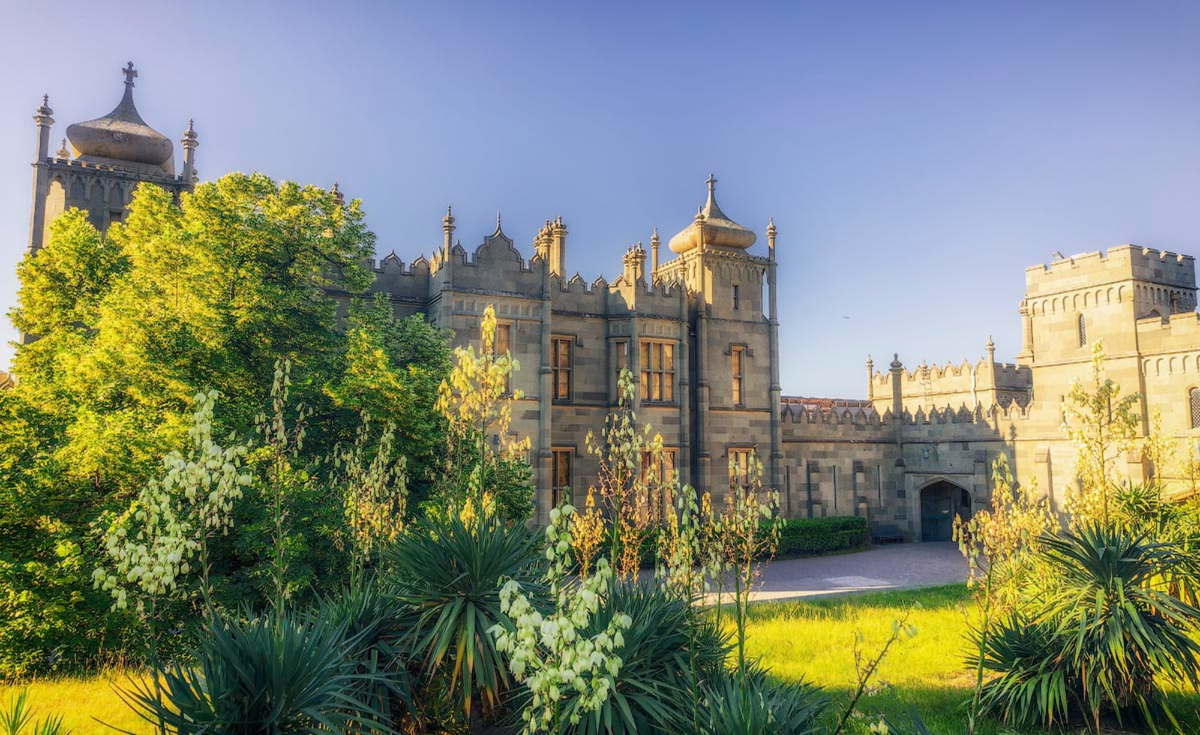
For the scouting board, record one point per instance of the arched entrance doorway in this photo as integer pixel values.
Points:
(941, 501)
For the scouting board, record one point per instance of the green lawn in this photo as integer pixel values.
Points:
(813, 639)
(81, 702)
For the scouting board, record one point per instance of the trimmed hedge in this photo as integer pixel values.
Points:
(799, 537)
(817, 536)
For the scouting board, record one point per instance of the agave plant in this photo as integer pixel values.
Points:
(754, 705)
(447, 573)
(282, 673)
(666, 648)
(1103, 639)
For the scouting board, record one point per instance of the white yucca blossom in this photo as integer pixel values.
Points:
(550, 655)
(154, 542)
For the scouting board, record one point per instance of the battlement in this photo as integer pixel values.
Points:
(1124, 262)
(842, 423)
(130, 170)
(1177, 332)
(954, 377)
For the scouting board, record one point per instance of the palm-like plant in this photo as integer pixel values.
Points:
(281, 673)
(1035, 683)
(371, 618)
(447, 574)
(652, 692)
(1101, 640)
(754, 705)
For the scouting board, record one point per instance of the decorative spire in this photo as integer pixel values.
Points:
(448, 220)
(130, 74)
(991, 349)
(870, 363)
(190, 140)
(896, 364)
(64, 153)
(43, 112)
(337, 194)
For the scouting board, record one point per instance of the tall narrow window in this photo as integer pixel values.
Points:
(561, 476)
(736, 298)
(659, 474)
(620, 356)
(658, 371)
(501, 347)
(1082, 331)
(503, 339)
(738, 370)
(561, 368)
(739, 467)
(1194, 404)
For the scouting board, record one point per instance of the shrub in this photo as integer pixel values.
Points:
(653, 690)
(816, 536)
(284, 672)
(447, 574)
(371, 619)
(1103, 637)
(754, 705)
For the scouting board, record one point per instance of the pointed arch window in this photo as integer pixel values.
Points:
(1194, 405)
(1082, 331)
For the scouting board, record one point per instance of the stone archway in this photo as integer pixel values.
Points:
(941, 501)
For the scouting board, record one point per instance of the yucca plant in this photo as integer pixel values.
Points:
(1104, 638)
(281, 673)
(447, 573)
(17, 719)
(1036, 684)
(752, 704)
(652, 692)
(371, 615)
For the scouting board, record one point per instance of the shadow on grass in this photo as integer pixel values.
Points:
(944, 711)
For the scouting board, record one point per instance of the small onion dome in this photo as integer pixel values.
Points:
(122, 135)
(712, 227)
(62, 152)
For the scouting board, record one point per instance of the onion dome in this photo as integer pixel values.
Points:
(712, 227)
(122, 136)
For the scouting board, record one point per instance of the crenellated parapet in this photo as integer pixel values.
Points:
(981, 383)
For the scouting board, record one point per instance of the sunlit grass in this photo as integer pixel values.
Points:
(815, 639)
(81, 702)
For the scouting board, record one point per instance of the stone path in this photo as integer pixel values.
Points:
(890, 567)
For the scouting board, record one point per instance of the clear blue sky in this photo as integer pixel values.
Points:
(916, 156)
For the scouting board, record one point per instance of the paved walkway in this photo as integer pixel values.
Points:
(890, 567)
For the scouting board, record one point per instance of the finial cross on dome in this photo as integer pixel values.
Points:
(130, 73)
(712, 182)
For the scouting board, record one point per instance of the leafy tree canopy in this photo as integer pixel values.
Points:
(204, 293)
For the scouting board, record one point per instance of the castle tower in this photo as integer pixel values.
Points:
(112, 155)
(734, 350)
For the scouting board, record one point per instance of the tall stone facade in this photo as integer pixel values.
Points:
(699, 329)
(693, 329)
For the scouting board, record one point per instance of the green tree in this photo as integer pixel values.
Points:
(1103, 425)
(183, 297)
